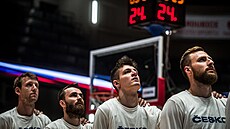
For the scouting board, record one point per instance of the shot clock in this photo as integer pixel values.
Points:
(165, 12)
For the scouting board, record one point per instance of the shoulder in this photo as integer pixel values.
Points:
(179, 97)
(44, 118)
(152, 110)
(88, 126)
(54, 124)
(13, 110)
(8, 114)
(107, 105)
(222, 101)
(178, 101)
(8, 119)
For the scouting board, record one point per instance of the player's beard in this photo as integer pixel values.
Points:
(205, 77)
(75, 111)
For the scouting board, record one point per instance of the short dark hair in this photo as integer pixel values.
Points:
(61, 93)
(18, 80)
(125, 60)
(185, 59)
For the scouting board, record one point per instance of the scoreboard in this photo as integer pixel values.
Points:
(165, 12)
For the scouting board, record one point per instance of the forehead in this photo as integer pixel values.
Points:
(198, 54)
(28, 79)
(71, 90)
(126, 67)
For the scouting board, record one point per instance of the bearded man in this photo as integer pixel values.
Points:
(196, 107)
(72, 103)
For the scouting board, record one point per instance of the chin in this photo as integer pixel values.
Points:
(137, 84)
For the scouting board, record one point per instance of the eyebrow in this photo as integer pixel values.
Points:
(209, 57)
(73, 93)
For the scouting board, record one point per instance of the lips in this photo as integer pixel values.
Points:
(210, 69)
(33, 94)
(135, 79)
(79, 103)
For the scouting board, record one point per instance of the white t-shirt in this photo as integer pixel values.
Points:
(12, 120)
(227, 112)
(62, 124)
(185, 111)
(113, 115)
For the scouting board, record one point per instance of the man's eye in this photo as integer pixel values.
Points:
(81, 95)
(29, 84)
(127, 71)
(202, 59)
(76, 94)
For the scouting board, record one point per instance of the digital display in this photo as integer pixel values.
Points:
(165, 12)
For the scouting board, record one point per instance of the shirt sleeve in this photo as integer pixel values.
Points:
(156, 112)
(101, 119)
(88, 126)
(3, 123)
(171, 116)
(44, 119)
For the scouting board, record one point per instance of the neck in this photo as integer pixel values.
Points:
(73, 121)
(201, 91)
(25, 110)
(128, 101)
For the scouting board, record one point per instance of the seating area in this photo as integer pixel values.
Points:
(46, 33)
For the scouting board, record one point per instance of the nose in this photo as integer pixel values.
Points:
(34, 87)
(134, 72)
(79, 96)
(210, 61)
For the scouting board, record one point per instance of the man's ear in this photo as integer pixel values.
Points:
(188, 71)
(62, 103)
(116, 84)
(17, 90)
(187, 68)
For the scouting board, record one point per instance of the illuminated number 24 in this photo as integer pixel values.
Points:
(137, 12)
(170, 11)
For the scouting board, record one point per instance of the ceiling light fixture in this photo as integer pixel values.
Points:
(94, 11)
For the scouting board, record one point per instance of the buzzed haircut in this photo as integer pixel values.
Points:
(61, 93)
